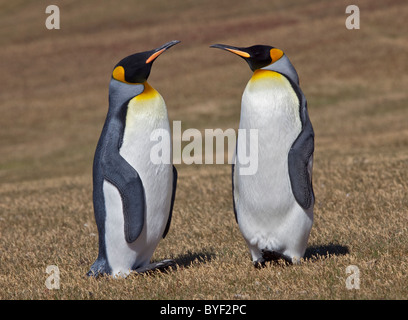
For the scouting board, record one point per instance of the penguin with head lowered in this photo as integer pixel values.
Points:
(133, 197)
(274, 206)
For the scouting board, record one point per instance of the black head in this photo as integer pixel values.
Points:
(257, 56)
(136, 67)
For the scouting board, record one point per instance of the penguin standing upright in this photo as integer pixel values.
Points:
(133, 198)
(274, 206)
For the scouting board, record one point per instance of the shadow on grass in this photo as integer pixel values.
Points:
(324, 251)
(183, 261)
(187, 259)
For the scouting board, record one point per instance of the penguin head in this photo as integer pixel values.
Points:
(136, 68)
(257, 57)
(264, 57)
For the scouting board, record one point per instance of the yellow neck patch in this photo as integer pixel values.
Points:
(145, 107)
(260, 74)
(148, 93)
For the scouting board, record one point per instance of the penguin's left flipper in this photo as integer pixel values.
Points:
(125, 178)
(161, 265)
(300, 161)
(233, 191)
(173, 196)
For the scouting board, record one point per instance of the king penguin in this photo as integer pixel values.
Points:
(274, 206)
(133, 198)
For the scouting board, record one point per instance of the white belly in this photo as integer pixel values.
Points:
(268, 214)
(157, 181)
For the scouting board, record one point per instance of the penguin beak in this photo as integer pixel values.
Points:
(157, 52)
(238, 51)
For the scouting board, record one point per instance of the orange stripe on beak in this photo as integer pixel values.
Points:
(240, 53)
(155, 55)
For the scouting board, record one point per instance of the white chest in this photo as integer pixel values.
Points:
(270, 105)
(146, 113)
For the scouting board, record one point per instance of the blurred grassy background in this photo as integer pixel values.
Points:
(53, 103)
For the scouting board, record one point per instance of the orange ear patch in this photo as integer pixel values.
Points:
(119, 74)
(276, 54)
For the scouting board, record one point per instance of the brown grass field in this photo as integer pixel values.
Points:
(53, 102)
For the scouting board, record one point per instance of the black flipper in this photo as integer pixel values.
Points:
(125, 178)
(166, 230)
(300, 155)
(233, 197)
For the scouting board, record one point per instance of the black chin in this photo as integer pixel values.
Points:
(255, 64)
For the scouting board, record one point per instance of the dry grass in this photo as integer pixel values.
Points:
(54, 100)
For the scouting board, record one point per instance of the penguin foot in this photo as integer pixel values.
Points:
(99, 268)
(271, 256)
(161, 266)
